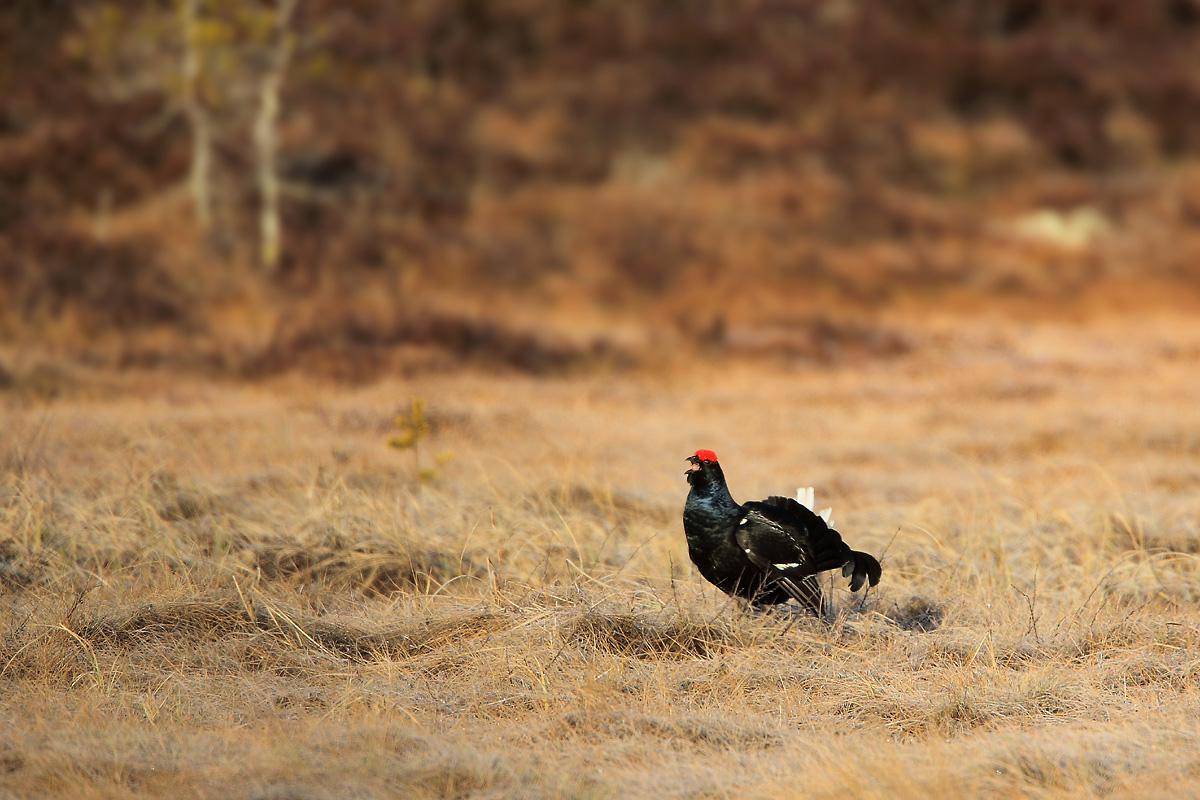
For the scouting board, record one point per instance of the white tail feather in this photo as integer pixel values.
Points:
(807, 497)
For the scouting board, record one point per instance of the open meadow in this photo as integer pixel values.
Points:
(239, 590)
(351, 353)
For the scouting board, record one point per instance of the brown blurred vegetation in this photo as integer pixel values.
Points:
(542, 184)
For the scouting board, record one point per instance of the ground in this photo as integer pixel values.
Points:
(219, 589)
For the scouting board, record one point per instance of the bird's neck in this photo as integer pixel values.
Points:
(713, 497)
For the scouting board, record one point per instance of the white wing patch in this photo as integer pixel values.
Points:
(807, 497)
(744, 520)
(786, 566)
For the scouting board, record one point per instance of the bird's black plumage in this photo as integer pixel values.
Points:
(768, 551)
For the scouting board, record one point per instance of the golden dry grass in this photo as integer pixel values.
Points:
(239, 590)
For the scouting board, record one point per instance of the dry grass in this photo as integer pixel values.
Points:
(226, 590)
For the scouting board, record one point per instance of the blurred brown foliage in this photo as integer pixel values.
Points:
(463, 176)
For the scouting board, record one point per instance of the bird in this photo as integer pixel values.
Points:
(767, 552)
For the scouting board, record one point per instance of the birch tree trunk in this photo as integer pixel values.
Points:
(265, 145)
(199, 183)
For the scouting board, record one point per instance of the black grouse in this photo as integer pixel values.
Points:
(766, 552)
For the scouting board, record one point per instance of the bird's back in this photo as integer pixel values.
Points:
(782, 536)
(791, 526)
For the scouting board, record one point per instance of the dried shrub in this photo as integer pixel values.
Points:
(348, 346)
(124, 287)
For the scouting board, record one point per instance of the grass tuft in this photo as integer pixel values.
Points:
(640, 636)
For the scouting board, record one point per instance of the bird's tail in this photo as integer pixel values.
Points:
(861, 568)
(807, 496)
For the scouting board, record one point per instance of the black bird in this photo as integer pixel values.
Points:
(766, 552)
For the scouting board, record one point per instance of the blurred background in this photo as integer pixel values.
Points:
(353, 188)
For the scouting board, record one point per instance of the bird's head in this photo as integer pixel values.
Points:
(704, 469)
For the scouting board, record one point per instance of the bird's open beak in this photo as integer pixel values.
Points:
(695, 462)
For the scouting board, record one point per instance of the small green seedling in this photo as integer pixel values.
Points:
(412, 426)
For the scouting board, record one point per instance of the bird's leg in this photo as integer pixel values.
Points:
(797, 613)
(788, 627)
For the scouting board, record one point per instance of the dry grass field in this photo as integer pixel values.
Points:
(938, 260)
(239, 590)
